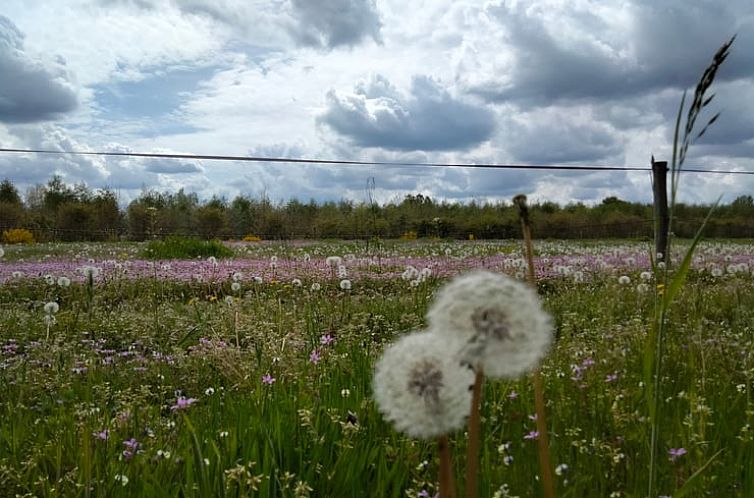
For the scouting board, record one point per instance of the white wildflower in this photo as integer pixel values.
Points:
(237, 276)
(624, 280)
(51, 308)
(500, 321)
(316, 286)
(645, 275)
(345, 284)
(235, 286)
(421, 387)
(64, 282)
(296, 282)
(333, 261)
(49, 279)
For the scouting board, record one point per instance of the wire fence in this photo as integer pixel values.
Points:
(338, 162)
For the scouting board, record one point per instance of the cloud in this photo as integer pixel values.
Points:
(30, 90)
(377, 114)
(310, 23)
(334, 23)
(593, 50)
(560, 135)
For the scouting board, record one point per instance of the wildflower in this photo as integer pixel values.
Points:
(345, 284)
(229, 300)
(342, 272)
(17, 274)
(314, 357)
(209, 391)
(268, 379)
(315, 287)
(561, 469)
(237, 276)
(51, 308)
(611, 378)
(645, 275)
(333, 261)
(642, 288)
(500, 322)
(235, 286)
(296, 282)
(624, 280)
(183, 403)
(64, 282)
(420, 386)
(326, 340)
(90, 272)
(122, 479)
(258, 280)
(49, 279)
(513, 395)
(344, 393)
(102, 435)
(132, 445)
(676, 453)
(532, 435)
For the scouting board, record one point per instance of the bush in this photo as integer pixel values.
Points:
(185, 248)
(18, 236)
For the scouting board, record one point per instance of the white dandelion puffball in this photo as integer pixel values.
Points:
(345, 284)
(421, 387)
(64, 282)
(235, 286)
(316, 286)
(51, 308)
(624, 280)
(500, 321)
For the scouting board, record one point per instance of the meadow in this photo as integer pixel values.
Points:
(251, 375)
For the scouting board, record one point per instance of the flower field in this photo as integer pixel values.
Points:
(252, 375)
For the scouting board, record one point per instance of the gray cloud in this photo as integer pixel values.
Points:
(661, 45)
(378, 115)
(312, 23)
(560, 135)
(30, 90)
(334, 23)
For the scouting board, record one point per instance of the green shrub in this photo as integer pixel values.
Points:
(185, 248)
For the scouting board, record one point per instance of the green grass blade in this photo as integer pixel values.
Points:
(688, 486)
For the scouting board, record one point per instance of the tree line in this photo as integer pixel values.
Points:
(58, 211)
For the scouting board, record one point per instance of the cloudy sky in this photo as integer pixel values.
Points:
(537, 82)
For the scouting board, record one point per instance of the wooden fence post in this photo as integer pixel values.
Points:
(660, 190)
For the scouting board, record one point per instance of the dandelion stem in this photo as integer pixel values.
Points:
(447, 486)
(472, 451)
(545, 466)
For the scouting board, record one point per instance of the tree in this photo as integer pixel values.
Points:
(9, 193)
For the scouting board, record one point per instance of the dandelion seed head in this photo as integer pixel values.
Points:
(345, 284)
(421, 387)
(64, 282)
(315, 287)
(624, 280)
(499, 321)
(235, 286)
(51, 308)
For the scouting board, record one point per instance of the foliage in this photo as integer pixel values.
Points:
(185, 248)
(17, 236)
(151, 340)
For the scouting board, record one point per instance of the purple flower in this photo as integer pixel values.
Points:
(268, 379)
(326, 340)
(315, 357)
(131, 446)
(102, 435)
(532, 435)
(183, 403)
(513, 395)
(676, 453)
(611, 378)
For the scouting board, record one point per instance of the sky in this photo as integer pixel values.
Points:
(571, 82)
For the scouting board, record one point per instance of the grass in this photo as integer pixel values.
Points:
(315, 430)
(185, 248)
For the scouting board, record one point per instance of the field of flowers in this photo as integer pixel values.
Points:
(251, 375)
